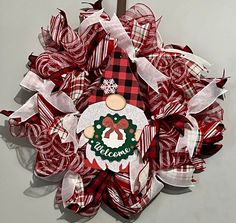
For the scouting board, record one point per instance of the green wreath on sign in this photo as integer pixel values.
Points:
(114, 123)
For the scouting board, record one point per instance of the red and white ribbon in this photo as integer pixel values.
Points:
(144, 68)
(202, 100)
(59, 100)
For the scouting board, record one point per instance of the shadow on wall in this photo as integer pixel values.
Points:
(26, 156)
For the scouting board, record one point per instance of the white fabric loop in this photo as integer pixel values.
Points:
(91, 20)
(60, 100)
(204, 98)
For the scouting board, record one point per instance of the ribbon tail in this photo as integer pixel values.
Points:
(60, 100)
(33, 82)
(149, 73)
(139, 172)
(70, 124)
(177, 177)
(190, 138)
(28, 110)
(91, 20)
(120, 136)
(108, 133)
(204, 98)
(72, 182)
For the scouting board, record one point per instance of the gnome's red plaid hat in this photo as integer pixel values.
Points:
(125, 81)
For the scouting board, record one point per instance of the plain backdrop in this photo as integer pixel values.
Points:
(208, 26)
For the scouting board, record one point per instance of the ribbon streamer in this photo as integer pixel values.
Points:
(139, 174)
(206, 97)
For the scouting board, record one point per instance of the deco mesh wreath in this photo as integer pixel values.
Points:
(117, 114)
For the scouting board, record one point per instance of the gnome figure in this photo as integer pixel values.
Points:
(114, 120)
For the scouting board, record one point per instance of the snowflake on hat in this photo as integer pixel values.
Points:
(116, 113)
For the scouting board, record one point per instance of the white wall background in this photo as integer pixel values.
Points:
(208, 26)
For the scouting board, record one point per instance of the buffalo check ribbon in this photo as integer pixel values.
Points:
(139, 35)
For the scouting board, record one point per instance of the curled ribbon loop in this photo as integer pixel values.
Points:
(115, 127)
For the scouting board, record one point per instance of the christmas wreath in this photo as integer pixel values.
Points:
(116, 113)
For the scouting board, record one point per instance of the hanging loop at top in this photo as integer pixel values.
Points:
(121, 7)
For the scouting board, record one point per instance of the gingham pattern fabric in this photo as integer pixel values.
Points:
(198, 163)
(120, 71)
(58, 128)
(139, 35)
(77, 85)
(78, 197)
(142, 15)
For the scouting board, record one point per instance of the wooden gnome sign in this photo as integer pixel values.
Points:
(116, 115)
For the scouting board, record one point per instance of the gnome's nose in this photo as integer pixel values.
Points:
(115, 102)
